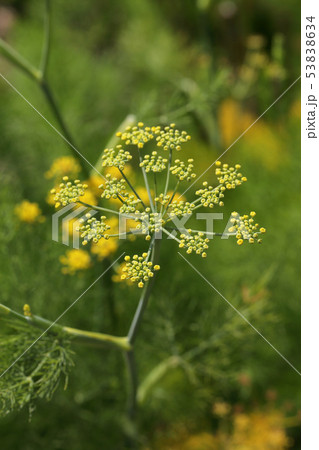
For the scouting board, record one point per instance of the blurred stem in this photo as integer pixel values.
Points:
(47, 38)
(81, 336)
(133, 384)
(46, 89)
(15, 58)
(40, 77)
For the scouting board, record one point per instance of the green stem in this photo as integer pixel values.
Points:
(172, 198)
(167, 175)
(155, 191)
(69, 140)
(15, 58)
(98, 208)
(39, 76)
(133, 384)
(81, 336)
(129, 183)
(146, 183)
(135, 325)
(144, 298)
(47, 39)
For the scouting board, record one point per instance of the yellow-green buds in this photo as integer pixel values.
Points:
(93, 229)
(138, 269)
(245, 228)
(69, 192)
(228, 176)
(117, 157)
(183, 171)
(153, 163)
(171, 139)
(197, 243)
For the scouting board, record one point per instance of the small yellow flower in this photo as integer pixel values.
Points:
(29, 212)
(27, 310)
(65, 165)
(74, 261)
(104, 248)
(88, 198)
(221, 409)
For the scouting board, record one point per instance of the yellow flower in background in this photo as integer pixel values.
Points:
(257, 430)
(260, 430)
(261, 140)
(65, 165)
(142, 192)
(116, 173)
(71, 225)
(104, 248)
(230, 121)
(94, 183)
(178, 196)
(117, 277)
(88, 198)
(295, 110)
(29, 212)
(221, 409)
(75, 261)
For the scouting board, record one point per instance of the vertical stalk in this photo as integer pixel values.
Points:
(47, 39)
(167, 175)
(146, 183)
(133, 384)
(135, 325)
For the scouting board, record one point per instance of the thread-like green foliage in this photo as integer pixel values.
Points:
(37, 373)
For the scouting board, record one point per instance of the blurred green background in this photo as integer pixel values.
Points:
(212, 67)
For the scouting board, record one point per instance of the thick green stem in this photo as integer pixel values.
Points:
(81, 336)
(132, 384)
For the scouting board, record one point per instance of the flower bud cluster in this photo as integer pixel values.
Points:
(245, 228)
(149, 222)
(138, 269)
(112, 187)
(180, 208)
(69, 192)
(210, 196)
(171, 139)
(117, 157)
(93, 229)
(138, 135)
(228, 176)
(197, 243)
(183, 171)
(154, 163)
